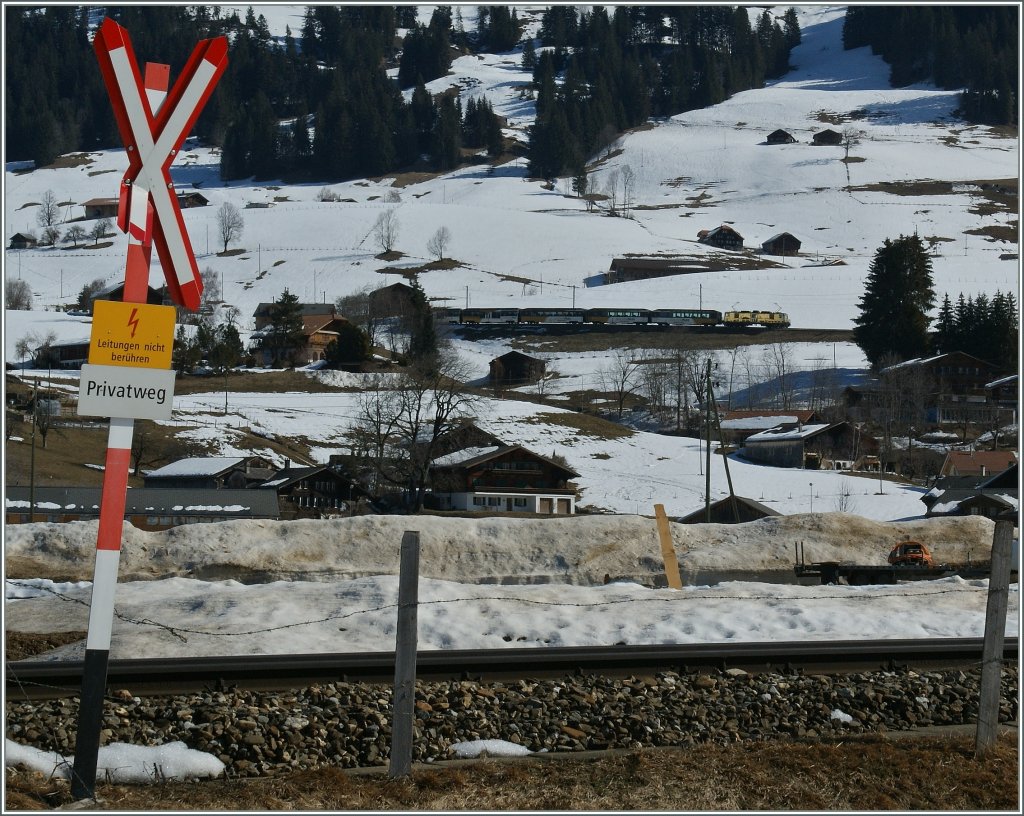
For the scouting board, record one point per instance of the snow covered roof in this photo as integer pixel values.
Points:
(1001, 381)
(464, 455)
(757, 422)
(197, 466)
(787, 434)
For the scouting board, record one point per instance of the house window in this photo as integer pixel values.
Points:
(494, 501)
(520, 502)
(479, 501)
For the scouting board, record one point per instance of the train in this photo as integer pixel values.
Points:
(619, 317)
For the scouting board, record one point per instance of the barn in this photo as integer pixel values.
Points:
(827, 137)
(784, 243)
(780, 137)
(516, 368)
(100, 208)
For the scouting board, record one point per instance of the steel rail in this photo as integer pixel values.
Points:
(29, 679)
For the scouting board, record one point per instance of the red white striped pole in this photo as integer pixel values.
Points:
(114, 494)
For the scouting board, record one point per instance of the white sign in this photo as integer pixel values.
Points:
(130, 393)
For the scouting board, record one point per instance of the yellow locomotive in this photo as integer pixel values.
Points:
(770, 320)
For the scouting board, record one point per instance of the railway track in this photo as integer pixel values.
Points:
(151, 676)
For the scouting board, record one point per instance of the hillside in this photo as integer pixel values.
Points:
(518, 241)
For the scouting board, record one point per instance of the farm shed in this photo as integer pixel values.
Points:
(391, 301)
(622, 270)
(145, 508)
(100, 208)
(784, 243)
(22, 241)
(70, 354)
(808, 446)
(827, 137)
(780, 137)
(738, 425)
(516, 368)
(722, 512)
(723, 237)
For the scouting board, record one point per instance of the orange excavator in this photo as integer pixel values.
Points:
(911, 554)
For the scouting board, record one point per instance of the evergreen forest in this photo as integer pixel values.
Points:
(971, 46)
(319, 103)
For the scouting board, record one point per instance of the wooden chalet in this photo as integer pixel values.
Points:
(188, 200)
(724, 512)
(515, 368)
(100, 208)
(1004, 393)
(723, 237)
(145, 508)
(501, 478)
(314, 315)
(990, 496)
(827, 137)
(777, 137)
(321, 491)
(21, 240)
(977, 463)
(210, 473)
(782, 244)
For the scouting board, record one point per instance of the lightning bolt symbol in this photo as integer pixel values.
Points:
(133, 321)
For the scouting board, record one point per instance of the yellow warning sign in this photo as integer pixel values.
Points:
(131, 334)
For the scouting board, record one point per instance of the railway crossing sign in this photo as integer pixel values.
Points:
(134, 338)
(152, 143)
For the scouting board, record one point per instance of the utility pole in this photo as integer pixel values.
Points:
(707, 467)
(574, 296)
(32, 457)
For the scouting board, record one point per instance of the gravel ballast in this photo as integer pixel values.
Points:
(348, 725)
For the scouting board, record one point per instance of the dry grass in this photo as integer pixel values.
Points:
(873, 773)
(583, 424)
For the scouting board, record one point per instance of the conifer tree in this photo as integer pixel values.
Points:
(898, 297)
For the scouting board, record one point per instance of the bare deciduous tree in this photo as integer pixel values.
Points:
(385, 230)
(51, 235)
(358, 308)
(620, 377)
(211, 288)
(777, 361)
(611, 190)
(48, 213)
(438, 243)
(99, 230)
(402, 420)
(230, 224)
(628, 187)
(17, 295)
(74, 234)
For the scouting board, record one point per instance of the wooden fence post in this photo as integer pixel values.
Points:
(405, 657)
(668, 552)
(995, 631)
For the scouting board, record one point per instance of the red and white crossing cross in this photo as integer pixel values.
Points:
(152, 143)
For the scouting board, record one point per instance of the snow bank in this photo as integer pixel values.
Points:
(578, 550)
